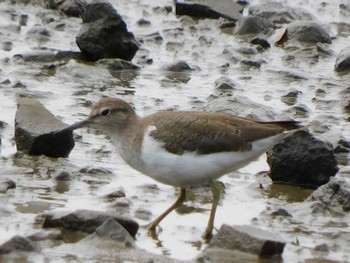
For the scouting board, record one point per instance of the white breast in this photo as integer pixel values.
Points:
(194, 169)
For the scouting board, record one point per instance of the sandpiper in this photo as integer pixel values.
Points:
(184, 148)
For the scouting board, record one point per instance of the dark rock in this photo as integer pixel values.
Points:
(229, 25)
(291, 97)
(122, 203)
(33, 131)
(225, 83)
(291, 75)
(344, 7)
(23, 19)
(279, 13)
(254, 25)
(3, 124)
(153, 37)
(72, 8)
(116, 194)
(87, 221)
(333, 198)
(17, 243)
(67, 55)
(324, 50)
(95, 171)
(346, 105)
(303, 160)
(209, 9)
(118, 64)
(281, 212)
(322, 247)
(174, 46)
(342, 63)
(344, 92)
(19, 84)
(104, 33)
(6, 184)
(307, 32)
(38, 30)
(6, 82)
(63, 176)
(247, 51)
(168, 8)
(251, 63)
(248, 239)
(112, 230)
(143, 22)
(343, 146)
(299, 111)
(48, 18)
(162, 9)
(261, 42)
(179, 66)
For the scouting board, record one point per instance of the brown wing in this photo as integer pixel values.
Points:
(205, 132)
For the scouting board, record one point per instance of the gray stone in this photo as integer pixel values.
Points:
(6, 184)
(291, 97)
(209, 9)
(299, 111)
(307, 32)
(254, 25)
(63, 176)
(343, 146)
(39, 31)
(112, 230)
(279, 13)
(17, 243)
(342, 63)
(96, 171)
(301, 159)
(115, 195)
(118, 64)
(333, 197)
(263, 43)
(87, 221)
(178, 66)
(104, 33)
(248, 239)
(69, 7)
(34, 126)
(224, 83)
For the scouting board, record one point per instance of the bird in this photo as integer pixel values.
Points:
(184, 148)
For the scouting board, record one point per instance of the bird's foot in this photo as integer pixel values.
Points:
(152, 230)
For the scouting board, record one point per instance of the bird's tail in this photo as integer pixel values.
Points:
(288, 125)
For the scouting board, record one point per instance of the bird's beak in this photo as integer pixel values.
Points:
(78, 125)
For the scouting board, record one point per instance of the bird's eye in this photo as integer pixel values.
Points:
(105, 112)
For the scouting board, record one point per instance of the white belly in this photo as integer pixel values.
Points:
(191, 168)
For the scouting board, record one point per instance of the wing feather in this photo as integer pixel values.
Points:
(205, 132)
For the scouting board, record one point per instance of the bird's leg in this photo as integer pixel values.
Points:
(179, 201)
(208, 233)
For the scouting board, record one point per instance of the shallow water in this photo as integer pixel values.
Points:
(70, 91)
